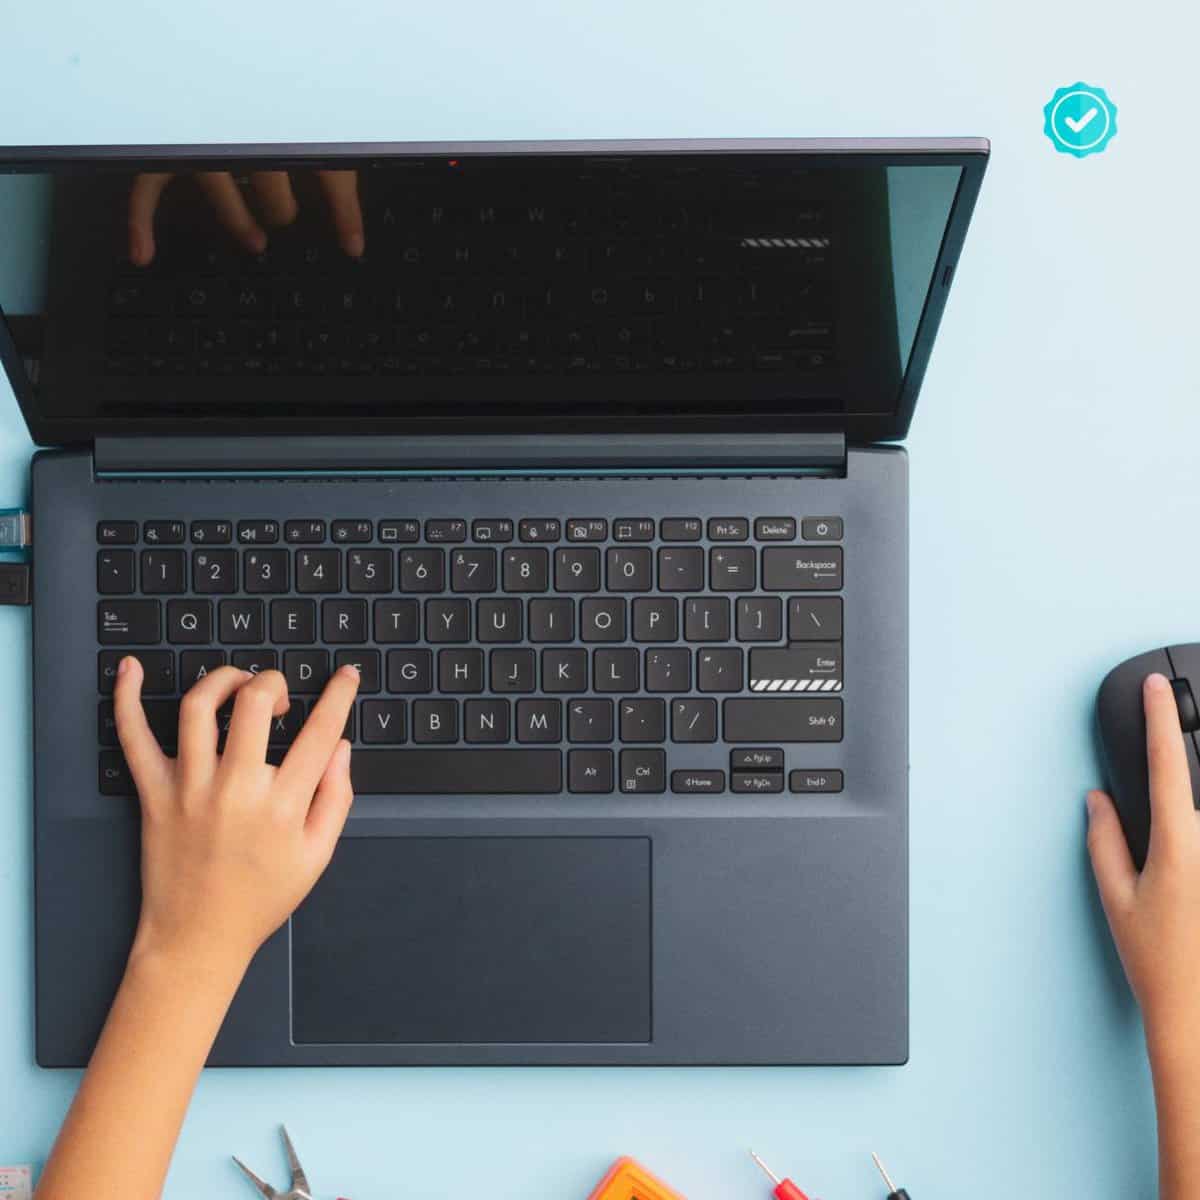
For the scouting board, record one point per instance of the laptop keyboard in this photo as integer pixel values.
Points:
(498, 655)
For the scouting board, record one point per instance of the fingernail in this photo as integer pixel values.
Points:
(351, 669)
(1156, 682)
(123, 665)
(355, 245)
(258, 241)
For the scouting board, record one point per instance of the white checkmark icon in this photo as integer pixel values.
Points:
(1079, 126)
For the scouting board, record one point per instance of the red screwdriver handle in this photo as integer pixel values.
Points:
(787, 1190)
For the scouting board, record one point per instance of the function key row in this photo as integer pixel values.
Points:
(450, 530)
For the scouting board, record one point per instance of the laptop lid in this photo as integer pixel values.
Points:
(552, 287)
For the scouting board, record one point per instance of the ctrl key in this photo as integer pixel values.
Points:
(816, 781)
(115, 779)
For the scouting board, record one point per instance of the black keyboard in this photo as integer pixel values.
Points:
(498, 655)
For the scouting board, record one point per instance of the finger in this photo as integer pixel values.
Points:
(275, 196)
(257, 704)
(198, 719)
(331, 804)
(232, 211)
(1172, 815)
(148, 765)
(341, 192)
(144, 196)
(301, 770)
(1112, 865)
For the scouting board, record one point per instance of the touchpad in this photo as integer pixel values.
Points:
(509, 939)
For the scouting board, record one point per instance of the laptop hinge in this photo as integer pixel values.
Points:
(680, 453)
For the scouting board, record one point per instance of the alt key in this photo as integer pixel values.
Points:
(816, 781)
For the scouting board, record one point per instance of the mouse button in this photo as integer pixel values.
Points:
(1185, 702)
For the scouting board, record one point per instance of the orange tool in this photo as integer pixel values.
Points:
(629, 1180)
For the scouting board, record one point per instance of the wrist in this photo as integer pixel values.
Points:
(1173, 1042)
(191, 962)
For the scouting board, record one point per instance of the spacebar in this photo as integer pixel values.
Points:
(455, 772)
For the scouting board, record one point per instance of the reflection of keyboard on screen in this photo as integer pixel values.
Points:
(499, 288)
(498, 654)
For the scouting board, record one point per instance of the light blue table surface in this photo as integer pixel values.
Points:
(1054, 532)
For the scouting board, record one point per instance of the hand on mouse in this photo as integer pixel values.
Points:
(1155, 915)
(230, 844)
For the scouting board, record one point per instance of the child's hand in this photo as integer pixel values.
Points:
(1155, 916)
(231, 845)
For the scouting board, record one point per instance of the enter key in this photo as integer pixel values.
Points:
(810, 667)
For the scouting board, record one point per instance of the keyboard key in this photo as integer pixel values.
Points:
(115, 572)
(116, 533)
(447, 620)
(694, 720)
(816, 781)
(265, 571)
(821, 529)
(720, 670)
(655, 619)
(207, 532)
(756, 759)
(368, 571)
(498, 530)
(164, 572)
(189, 622)
(590, 771)
(257, 533)
(422, 570)
(367, 662)
(809, 667)
(643, 771)
(643, 720)
(759, 618)
(115, 779)
(410, 671)
(697, 782)
(539, 721)
(163, 533)
(128, 622)
(240, 621)
(293, 621)
(728, 529)
(633, 529)
(287, 725)
(383, 722)
(456, 772)
(513, 671)
(577, 569)
(669, 669)
(775, 529)
(161, 715)
(158, 669)
(756, 782)
(706, 619)
(602, 619)
(498, 620)
(681, 570)
(460, 670)
(542, 529)
(433, 721)
(318, 571)
(400, 531)
(526, 570)
(681, 529)
(783, 719)
(306, 671)
(564, 670)
(732, 568)
(802, 568)
(629, 569)
(551, 619)
(615, 670)
(396, 621)
(194, 665)
(446, 529)
(304, 532)
(255, 661)
(473, 571)
(814, 618)
(356, 530)
(486, 720)
(214, 571)
(587, 529)
(590, 721)
(344, 621)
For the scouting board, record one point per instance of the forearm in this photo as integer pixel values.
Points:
(137, 1086)
(1175, 1063)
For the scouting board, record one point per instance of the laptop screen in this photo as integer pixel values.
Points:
(509, 290)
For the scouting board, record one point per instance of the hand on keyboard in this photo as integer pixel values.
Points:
(274, 198)
(231, 844)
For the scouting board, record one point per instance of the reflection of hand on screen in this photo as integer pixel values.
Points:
(273, 199)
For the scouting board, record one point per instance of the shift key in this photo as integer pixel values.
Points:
(783, 719)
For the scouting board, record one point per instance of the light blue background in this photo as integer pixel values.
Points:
(1054, 532)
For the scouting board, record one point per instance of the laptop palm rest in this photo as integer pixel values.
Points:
(476, 940)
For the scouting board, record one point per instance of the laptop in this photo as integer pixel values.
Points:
(586, 454)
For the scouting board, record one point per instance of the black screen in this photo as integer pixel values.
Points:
(484, 287)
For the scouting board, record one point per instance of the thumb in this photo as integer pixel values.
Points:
(1111, 861)
(331, 804)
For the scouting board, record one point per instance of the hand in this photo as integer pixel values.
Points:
(1155, 916)
(230, 844)
(274, 197)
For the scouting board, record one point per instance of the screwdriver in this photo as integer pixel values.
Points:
(784, 1189)
(894, 1193)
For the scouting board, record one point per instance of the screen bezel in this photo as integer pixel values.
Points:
(970, 154)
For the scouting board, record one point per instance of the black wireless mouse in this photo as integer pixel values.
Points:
(1122, 722)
